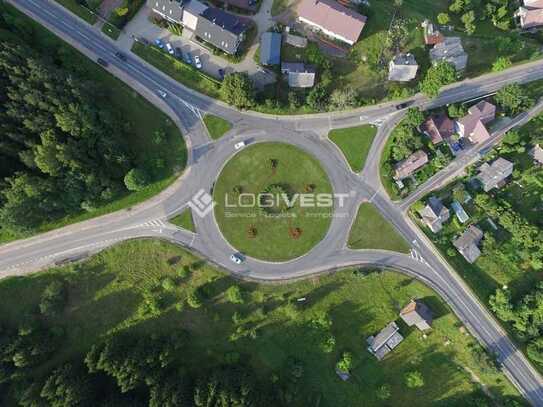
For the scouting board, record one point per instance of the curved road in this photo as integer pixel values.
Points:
(308, 132)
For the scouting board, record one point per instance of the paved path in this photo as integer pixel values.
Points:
(184, 106)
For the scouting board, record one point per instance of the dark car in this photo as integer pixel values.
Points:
(141, 40)
(221, 74)
(178, 53)
(404, 105)
(188, 58)
(121, 56)
(102, 62)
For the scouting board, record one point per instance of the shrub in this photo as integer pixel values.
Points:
(233, 294)
(193, 300)
(53, 299)
(414, 379)
(168, 284)
(345, 363)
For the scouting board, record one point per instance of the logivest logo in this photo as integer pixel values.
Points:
(202, 203)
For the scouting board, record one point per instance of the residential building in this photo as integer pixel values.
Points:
(484, 110)
(494, 175)
(472, 126)
(385, 341)
(530, 14)
(192, 10)
(418, 314)
(222, 30)
(434, 214)
(432, 36)
(450, 50)
(459, 211)
(270, 48)
(181, 12)
(402, 68)
(299, 74)
(467, 244)
(333, 19)
(438, 128)
(407, 167)
(537, 154)
(247, 5)
(296, 40)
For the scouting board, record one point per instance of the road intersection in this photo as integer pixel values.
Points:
(207, 157)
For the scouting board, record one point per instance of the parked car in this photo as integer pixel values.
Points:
(141, 40)
(197, 62)
(178, 53)
(170, 48)
(102, 62)
(159, 43)
(162, 94)
(236, 258)
(239, 145)
(221, 74)
(121, 56)
(188, 58)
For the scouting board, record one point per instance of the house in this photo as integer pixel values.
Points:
(472, 126)
(418, 314)
(537, 154)
(270, 48)
(333, 19)
(384, 341)
(467, 243)
(181, 12)
(411, 164)
(530, 14)
(192, 10)
(247, 5)
(222, 30)
(434, 214)
(402, 68)
(459, 211)
(295, 40)
(494, 175)
(438, 128)
(450, 50)
(299, 75)
(432, 36)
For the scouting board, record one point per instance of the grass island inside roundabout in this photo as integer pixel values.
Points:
(273, 201)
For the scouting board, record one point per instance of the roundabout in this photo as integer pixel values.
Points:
(274, 201)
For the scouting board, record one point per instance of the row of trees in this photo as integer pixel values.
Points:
(499, 12)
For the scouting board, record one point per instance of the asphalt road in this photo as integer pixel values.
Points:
(206, 159)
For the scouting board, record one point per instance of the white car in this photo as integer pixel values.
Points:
(170, 48)
(239, 145)
(197, 62)
(162, 94)
(236, 258)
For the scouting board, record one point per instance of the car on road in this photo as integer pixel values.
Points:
(102, 62)
(197, 62)
(159, 43)
(141, 40)
(404, 105)
(121, 56)
(236, 258)
(239, 145)
(170, 48)
(221, 74)
(161, 93)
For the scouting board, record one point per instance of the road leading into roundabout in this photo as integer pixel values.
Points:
(206, 158)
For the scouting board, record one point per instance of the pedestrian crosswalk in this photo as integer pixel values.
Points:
(417, 256)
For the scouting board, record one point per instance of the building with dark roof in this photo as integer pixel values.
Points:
(407, 167)
(270, 48)
(418, 314)
(181, 12)
(438, 128)
(223, 30)
(467, 244)
(247, 5)
(434, 214)
(386, 340)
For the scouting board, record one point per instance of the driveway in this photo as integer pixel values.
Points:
(141, 26)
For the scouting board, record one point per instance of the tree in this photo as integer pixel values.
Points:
(513, 98)
(414, 379)
(501, 64)
(345, 363)
(383, 392)
(66, 387)
(468, 20)
(500, 303)
(53, 298)
(237, 89)
(233, 294)
(136, 179)
(438, 76)
(342, 99)
(443, 18)
(193, 299)
(317, 97)
(535, 350)
(170, 392)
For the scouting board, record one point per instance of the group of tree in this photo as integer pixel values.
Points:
(437, 76)
(499, 12)
(513, 99)
(406, 137)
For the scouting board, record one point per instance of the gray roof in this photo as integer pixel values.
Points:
(170, 9)
(537, 153)
(270, 48)
(406, 167)
(491, 175)
(467, 243)
(287, 67)
(296, 40)
(383, 337)
(402, 68)
(434, 213)
(460, 212)
(450, 50)
(221, 29)
(299, 75)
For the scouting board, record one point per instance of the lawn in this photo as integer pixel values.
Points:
(216, 126)
(278, 6)
(106, 294)
(355, 143)
(184, 220)
(75, 7)
(178, 70)
(371, 231)
(140, 116)
(111, 31)
(271, 230)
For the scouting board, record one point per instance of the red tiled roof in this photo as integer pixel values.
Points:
(438, 128)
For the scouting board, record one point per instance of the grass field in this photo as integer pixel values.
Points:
(80, 11)
(184, 220)
(216, 126)
(105, 293)
(355, 143)
(278, 233)
(371, 231)
(141, 118)
(111, 31)
(180, 71)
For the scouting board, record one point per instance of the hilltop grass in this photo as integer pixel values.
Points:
(371, 231)
(355, 144)
(216, 126)
(105, 293)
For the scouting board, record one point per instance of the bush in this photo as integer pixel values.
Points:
(345, 363)
(53, 299)
(136, 179)
(414, 380)
(193, 300)
(168, 284)
(233, 294)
